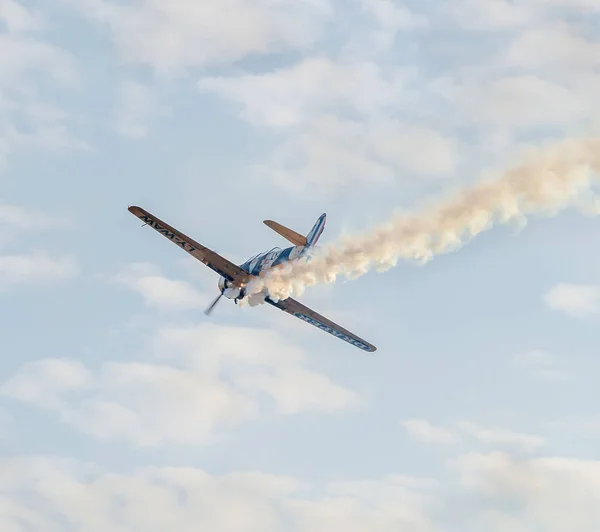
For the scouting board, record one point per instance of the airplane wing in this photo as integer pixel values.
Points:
(213, 260)
(297, 309)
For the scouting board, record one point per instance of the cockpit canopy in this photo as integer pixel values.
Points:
(253, 263)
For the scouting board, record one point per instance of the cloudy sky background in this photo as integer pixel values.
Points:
(124, 408)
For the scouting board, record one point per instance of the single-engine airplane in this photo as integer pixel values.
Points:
(233, 279)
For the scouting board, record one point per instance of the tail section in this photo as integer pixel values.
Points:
(297, 239)
(288, 234)
(316, 231)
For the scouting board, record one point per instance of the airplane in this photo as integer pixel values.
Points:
(234, 278)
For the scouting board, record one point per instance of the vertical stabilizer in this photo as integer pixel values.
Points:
(316, 231)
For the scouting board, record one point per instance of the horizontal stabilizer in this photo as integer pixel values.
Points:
(288, 234)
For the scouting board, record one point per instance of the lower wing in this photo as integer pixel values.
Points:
(213, 260)
(297, 309)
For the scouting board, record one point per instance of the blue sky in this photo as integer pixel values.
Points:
(123, 407)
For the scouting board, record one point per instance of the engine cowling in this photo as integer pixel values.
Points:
(229, 290)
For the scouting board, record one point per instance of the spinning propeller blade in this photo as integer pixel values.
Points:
(212, 306)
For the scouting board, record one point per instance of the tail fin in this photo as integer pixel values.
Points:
(316, 231)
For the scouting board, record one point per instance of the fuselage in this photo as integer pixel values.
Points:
(259, 264)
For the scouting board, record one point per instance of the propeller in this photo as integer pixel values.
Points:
(212, 306)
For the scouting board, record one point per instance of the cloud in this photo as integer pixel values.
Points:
(502, 437)
(392, 16)
(35, 268)
(17, 18)
(335, 118)
(28, 64)
(24, 56)
(217, 378)
(46, 382)
(530, 73)
(5, 422)
(18, 218)
(292, 96)
(554, 45)
(159, 291)
(540, 364)
(174, 36)
(521, 102)
(139, 104)
(489, 14)
(422, 430)
(331, 153)
(581, 6)
(383, 20)
(550, 494)
(577, 300)
(72, 495)
(495, 492)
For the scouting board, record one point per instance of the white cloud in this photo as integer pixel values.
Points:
(489, 14)
(381, 22)
(582, 6)
(577, 300)
(159, 291)
(17, 18)
(219, 377)
(502, 437)
(522, 101)
(492, 15)
(330, 153)
(28, 65)
(17, 218)
(496, 492)
(294, 95)
(554, 45)
(34, 268)
(78, 496)
(392, 16)
(540, 364)
(46, 382)
(550, 494)
(337, 125)
(5, 422)
(537, 75)
(176, 35)
(25, 56)
(422, 430)
(138, 105)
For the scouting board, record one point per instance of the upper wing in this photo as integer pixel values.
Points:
(297, 309)
(214, 261)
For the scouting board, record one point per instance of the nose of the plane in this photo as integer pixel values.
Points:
(222, 284)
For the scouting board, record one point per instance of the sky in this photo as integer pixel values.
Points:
(124, 408)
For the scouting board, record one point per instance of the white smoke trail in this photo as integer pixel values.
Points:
(550, 180)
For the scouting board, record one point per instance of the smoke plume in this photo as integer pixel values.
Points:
(548, 181)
